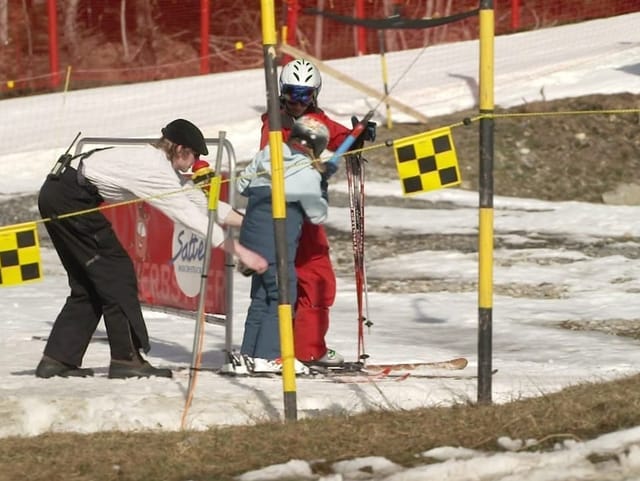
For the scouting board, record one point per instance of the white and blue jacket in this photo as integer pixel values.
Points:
(303, 198)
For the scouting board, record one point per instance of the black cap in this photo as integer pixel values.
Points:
(183, 132)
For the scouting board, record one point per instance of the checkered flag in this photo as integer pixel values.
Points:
(427, 161)
(19, 255)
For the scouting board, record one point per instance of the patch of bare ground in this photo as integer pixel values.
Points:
(576, 149)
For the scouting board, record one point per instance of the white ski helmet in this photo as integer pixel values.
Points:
(309, 131)
(301, 78)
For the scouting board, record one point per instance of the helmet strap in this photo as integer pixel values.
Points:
(301, 147)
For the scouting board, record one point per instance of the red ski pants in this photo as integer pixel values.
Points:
(316, 293)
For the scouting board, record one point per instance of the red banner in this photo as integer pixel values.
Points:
(168, 259)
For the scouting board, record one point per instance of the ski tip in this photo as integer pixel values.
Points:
(460, 361)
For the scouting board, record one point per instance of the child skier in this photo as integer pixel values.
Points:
(300, 84)
(304, 201)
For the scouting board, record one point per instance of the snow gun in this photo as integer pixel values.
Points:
(352, 137)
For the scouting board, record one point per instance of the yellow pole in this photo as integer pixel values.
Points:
(485, 228)
(67, 80)
(279, 210)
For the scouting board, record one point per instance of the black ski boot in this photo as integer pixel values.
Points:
(139, 367)
(49, 367)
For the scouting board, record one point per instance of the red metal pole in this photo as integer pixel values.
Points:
(54, 65)
(205, 19)
(291, 8)
(515, 14)
(292, 21)
(361, 33)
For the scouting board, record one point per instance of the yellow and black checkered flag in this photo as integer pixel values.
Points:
(19, 255)
(427, 161)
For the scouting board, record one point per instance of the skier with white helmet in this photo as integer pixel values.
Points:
(260, 348)
(300, 84)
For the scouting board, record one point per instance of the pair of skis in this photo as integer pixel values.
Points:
(355, 372)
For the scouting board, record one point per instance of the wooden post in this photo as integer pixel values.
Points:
(324, 68)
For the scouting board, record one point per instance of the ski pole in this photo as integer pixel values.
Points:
(63, 161)
(198, 338)
(351, 138)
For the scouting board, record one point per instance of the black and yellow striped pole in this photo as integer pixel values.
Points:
(485, 230)
(279, 209)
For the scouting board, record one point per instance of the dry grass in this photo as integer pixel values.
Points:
(579, 412)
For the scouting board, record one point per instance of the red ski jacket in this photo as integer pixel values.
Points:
(337, 131)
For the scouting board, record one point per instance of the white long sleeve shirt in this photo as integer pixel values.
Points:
(144, 172)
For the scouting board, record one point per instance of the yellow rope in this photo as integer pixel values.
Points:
(465, 122)
(95, 209)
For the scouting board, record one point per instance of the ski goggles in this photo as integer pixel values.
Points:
(298, 94)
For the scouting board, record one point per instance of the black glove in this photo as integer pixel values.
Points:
(329, 169)
(369, 132)
(324, 188)
(203, 180)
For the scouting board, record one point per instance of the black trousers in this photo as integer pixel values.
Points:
(100, 272)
